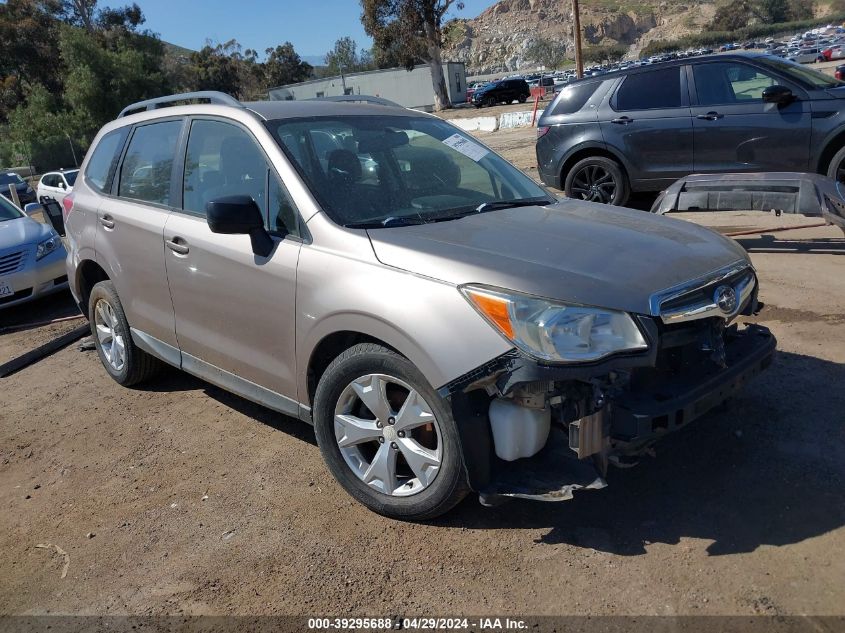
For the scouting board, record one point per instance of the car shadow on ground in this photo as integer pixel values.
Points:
(174, 380)
(767, 471)
(47, 308)
(771, 244)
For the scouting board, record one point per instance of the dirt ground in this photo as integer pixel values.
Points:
(178, 498)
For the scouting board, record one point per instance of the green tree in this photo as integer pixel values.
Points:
(775, 10)
(735, 15)
(214, 68)
(41, 133)
(411, 30)
(343, 58)
(28, 54)
(102, 79)
(284, 66)
(549, 53)
(604, 53)
(802, 9)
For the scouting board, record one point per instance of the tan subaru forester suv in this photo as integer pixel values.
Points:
(445, 323)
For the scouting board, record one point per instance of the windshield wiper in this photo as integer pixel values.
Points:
(510, 204)
(386, 223)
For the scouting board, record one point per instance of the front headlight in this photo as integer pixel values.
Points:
(553, 331)
(47, 246)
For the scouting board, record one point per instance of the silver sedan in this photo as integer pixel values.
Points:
(32, 257)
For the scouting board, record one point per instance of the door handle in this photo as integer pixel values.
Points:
(623, 120)
(710, 116)
(107, 221)
(178, 246)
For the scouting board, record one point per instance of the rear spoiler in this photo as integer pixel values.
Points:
(783, 192)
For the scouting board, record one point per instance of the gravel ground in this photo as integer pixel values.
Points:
(178, 498)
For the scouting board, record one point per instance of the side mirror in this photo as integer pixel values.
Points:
(239, 215)
(62, 185)
(778, 94)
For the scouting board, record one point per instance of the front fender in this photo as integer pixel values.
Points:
(427, 321)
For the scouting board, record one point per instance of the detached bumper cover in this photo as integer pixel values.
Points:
(787, 192)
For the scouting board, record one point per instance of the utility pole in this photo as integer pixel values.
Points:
(576, 27)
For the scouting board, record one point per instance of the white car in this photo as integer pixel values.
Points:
(57, 184)
(32, 257)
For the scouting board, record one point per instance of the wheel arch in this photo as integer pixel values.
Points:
(330, 347)
(88, 274)
(588, 151)
(831, 146)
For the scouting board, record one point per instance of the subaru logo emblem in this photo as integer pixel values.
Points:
(725, 298)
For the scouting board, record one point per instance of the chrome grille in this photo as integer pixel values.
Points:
(11, 262)
(696, 299)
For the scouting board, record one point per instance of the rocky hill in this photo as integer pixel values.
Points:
(497, 39)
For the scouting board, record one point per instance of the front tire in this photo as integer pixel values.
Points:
(597, 179)
(836, 168)
(123, 360)
(387, 436)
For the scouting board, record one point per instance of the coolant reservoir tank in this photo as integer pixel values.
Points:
(518, 431)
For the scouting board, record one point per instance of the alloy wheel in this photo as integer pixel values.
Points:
(594, 183)
(840, 171)
(388, 435)
(110, 336)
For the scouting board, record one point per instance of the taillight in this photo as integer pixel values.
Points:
(543, 130)
(67, 205)
(838, 74)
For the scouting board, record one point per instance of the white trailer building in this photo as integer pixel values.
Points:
(412, 89)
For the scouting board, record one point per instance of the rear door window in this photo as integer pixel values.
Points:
(651, 90)
(147, 168)
(103, 161)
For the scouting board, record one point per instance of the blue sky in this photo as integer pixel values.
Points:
(312, 25)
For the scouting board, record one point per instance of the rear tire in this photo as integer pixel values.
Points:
(123, 360)
(406, 466)
(597, 179)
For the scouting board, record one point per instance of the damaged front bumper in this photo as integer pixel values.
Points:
(605, 414)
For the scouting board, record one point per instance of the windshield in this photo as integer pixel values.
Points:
(388, 170)
(70, 176)
(8, 211)
(10, 179)
(802, 74)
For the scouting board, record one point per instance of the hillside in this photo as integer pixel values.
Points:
(497, 38)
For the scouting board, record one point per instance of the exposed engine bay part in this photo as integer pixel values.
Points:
(558, 429)
(518, 431)
(782, 192)
(590, 435)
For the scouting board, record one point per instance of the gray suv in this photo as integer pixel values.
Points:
(643, 128)
(444, 322)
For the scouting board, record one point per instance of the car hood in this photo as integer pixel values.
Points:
(573, 251)
(21, 232)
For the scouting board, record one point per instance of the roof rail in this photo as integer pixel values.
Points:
(359, 99)
(220, 98)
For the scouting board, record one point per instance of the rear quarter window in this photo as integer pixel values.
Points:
(574, 97)
(103, 161)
